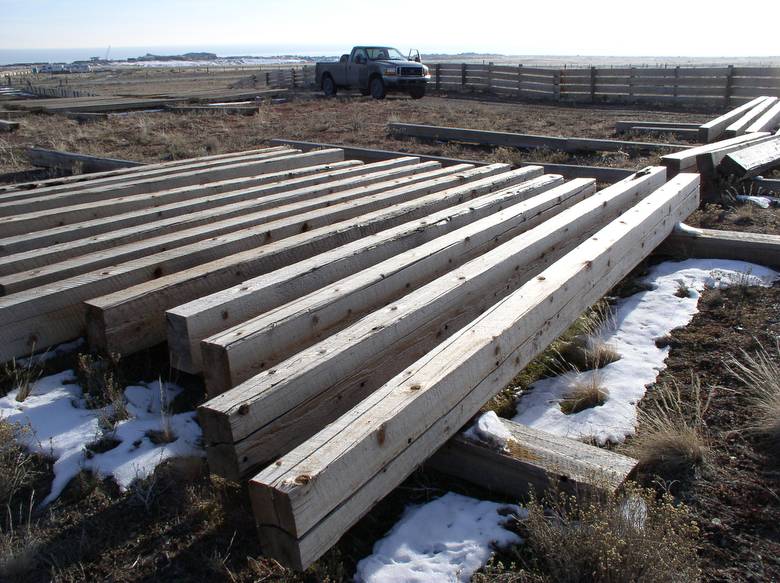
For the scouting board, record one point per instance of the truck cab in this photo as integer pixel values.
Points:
(374, 71)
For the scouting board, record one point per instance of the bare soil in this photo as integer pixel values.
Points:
(735, 495)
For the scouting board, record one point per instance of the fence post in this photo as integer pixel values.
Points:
(490, 78)
(438, 76)
(631, 77)
(557, 85)
(268, 78)
(520, 80)
(729, 84)
(592, 84)
(676, 82)
(463, 78)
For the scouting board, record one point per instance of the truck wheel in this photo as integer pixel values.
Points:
(328, 87)
(377, 88)
(417, 92)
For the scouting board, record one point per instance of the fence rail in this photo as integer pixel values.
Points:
(710, 86)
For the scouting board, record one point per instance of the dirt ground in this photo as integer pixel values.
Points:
(735, 496)
(182, 525)
(355, 120)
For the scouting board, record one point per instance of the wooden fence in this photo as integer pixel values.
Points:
(710, 86)
(716, 86)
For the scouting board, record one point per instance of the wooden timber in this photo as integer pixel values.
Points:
(61, 184)
(69, 161)
(768, 121)
(54, 313)
(91, 203)
(190, 323)
(753, 160)
(685, 161)
(254, 422)
(740, 126)
(713, 129)
(198, 226)
(304, 502)
(688, 241)
(534, 461)
(600, 173)
(630, 125)
(243, 351)
(54, 240)
(134, 318)
(488, 138)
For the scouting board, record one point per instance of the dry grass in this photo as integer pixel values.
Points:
(760, 373)
(743, 214)
(17, 470)
(671, 441)
(20, 375)
(585, 394)
(628, 536)
(98, 376)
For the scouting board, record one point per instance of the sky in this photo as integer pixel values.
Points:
(565, 27)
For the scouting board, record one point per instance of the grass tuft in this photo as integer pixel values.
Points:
(671, 441)
(99, 378)
(760, 373)
(585, 394)
(15, 375)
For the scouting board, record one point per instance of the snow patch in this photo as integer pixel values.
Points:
(489, 429)
(760, 201)
(639, 321)
(61, 427)
(447, 539)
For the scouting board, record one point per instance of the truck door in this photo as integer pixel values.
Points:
(357, 73)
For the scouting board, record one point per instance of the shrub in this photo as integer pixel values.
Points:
(619, 537)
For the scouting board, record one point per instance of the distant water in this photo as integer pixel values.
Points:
(12, 56)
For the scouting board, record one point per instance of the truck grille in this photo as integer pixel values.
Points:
(411, 71)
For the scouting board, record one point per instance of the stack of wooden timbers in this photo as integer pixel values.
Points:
(115, 103)
(348, 318)
(761, 114)
(739, 158)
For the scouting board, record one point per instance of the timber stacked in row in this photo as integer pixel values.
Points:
(742, 157)
(348, 318)
(113, 103)
(333, 378)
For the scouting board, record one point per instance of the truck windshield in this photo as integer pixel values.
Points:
(384, 54)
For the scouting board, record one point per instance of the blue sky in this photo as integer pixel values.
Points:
(660, 27)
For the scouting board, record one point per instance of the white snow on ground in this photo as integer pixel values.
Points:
(61, 426)
(488, 429)
(639, 320)
(760, 201)
(447, 539)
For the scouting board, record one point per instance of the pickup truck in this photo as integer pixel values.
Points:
(375, 71)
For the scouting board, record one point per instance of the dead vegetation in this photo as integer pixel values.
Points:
(671, 441)
(584, 394)
(630, 536)
(759, 372)
(633, 535)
